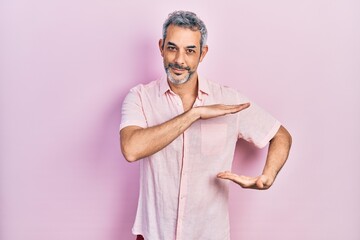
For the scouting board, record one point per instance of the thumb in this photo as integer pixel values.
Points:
(259, 183)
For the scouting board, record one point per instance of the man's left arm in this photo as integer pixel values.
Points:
(278, 153)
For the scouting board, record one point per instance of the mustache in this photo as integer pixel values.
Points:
(175, 65)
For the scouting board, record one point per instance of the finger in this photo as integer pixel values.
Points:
(244, 105)
(239, 107)
(232, 177)
(243, 181)
(227, 175)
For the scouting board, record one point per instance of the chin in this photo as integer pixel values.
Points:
(179, 82)
(178, 79)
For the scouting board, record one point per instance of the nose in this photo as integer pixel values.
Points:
(180, 58)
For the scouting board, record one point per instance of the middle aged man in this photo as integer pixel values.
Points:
(184, 129)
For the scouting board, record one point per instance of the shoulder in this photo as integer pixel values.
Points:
(141, 92)
(148, 87)
(217, 87)
(225, 92)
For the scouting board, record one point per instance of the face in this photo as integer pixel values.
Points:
(181, 53)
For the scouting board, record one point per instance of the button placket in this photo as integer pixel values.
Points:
(183, 189)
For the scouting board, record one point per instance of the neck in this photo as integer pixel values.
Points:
(190, 88)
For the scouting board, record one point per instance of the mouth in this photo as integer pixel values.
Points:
(178, 71)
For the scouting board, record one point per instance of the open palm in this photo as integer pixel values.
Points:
(261, 182)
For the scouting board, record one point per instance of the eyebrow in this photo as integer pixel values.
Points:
(173, 44)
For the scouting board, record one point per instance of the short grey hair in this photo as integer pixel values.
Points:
(186, 19)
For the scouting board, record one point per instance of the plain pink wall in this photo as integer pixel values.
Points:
(65, 67)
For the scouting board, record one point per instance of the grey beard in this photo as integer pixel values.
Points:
(180, 81)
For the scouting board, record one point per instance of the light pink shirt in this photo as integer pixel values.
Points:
(180, 196)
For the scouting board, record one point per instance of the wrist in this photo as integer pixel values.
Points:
(271, 175)
(194, 113)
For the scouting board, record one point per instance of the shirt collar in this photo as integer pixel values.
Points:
(203, 86)
(164, 86)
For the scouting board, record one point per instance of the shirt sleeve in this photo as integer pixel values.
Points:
(132, 113)
(256, 125)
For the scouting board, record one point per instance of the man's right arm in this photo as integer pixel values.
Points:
(137, 143)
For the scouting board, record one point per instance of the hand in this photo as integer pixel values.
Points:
(211, 111)
(261, 182)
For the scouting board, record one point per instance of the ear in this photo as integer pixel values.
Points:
(204, 51)
(161, 47)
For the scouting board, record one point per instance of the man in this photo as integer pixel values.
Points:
(184, 129)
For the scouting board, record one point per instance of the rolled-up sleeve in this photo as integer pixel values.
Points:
(132, 113)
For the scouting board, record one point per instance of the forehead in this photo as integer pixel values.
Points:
(182, 36)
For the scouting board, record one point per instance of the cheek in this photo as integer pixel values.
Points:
(193, 62)
(168, 58)
(165, 60)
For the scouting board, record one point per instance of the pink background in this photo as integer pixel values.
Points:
(65, 67)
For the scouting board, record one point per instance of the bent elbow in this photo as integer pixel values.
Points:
(130, 158)
(129, 149)
(129, 155)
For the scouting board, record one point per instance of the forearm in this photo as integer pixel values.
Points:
(138, 142)
(278, 153)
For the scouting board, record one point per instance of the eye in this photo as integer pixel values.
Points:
(171, 48)
(190, 51)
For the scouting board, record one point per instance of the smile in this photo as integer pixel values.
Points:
(178, 70)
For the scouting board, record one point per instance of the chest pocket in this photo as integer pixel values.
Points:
(213, 138)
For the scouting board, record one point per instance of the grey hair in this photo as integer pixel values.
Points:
(186, 19)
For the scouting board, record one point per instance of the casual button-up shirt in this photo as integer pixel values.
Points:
(180, 196)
